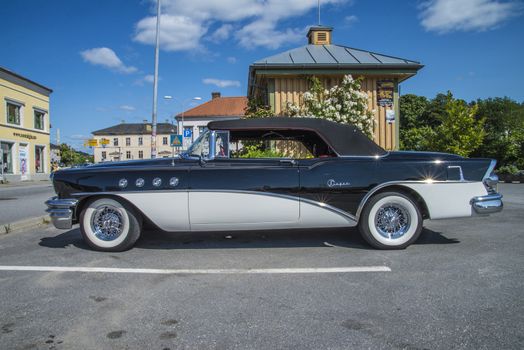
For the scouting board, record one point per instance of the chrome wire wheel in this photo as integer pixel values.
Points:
(392, 220)
(107, 223)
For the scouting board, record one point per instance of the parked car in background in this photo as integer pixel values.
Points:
(338, 178)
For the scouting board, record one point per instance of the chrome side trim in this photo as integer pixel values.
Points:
(61, 211)
(259, 193)
(489, 204)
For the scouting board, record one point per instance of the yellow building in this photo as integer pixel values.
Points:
(24, 128)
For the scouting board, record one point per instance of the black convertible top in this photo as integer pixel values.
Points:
(345, 140)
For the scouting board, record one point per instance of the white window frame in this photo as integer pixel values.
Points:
(45, 113)
(21, 105)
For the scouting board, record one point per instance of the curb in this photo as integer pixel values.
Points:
(25, 224)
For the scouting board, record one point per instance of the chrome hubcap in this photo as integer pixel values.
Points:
(392, 220)
(107, 223)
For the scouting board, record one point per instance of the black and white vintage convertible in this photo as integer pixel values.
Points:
(341, 179)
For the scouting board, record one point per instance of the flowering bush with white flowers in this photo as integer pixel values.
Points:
(344, 103)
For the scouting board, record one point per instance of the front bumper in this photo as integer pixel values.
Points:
(491, 203)
(61, 212)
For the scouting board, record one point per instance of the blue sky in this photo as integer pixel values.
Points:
(98, 57)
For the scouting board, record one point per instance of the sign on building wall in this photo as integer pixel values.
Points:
(385, 92)
(91, 143)
(22, 156)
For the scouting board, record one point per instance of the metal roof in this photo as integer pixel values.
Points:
(334, 55)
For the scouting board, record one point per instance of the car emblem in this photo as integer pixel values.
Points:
(122, 183)
(173, 182)
(157, 182)
(139, 182)
(333, 183)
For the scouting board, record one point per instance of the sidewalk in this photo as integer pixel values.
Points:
(26, 184)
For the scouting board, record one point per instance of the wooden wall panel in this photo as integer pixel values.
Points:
(291, 89)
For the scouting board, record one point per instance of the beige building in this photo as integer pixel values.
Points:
(127, 141)
(24, 128)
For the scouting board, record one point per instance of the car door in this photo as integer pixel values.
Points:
(337, 182)
(243, 193)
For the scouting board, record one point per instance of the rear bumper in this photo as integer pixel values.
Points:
(488, 204)
(61, 212)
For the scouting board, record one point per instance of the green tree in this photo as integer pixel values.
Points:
(414, 134)
(257, 109)
(504, 129)
(69, 156)
(459, 131)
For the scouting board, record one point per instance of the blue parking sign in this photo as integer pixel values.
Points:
(188, 132)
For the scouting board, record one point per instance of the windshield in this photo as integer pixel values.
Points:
(200, 148)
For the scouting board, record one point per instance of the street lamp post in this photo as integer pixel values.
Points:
(180, 131)
(155, 83)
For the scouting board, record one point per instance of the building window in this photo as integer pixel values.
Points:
(141, 154)
(128, 154)
(115, 141)
(39, 159)
(201, 129)
(164, 140)
(13, 113)
(128, 141)
(104, 155)
(39, 120)
(7, 157)
(140, 141)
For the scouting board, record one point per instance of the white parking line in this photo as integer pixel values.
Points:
(199, 271)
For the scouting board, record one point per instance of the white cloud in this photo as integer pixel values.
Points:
(351, 19)
(107, 58)
(221, 83)
(222, 33)
(148, 78)
(444, 16)
(127, 108)
(231, 59)
(78, 137)
(185, 23)
(177, 33)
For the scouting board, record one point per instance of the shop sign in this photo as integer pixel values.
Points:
(24, 136)
(104, 142)
(385, 91)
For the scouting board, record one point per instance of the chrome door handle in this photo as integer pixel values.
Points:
(289, 161)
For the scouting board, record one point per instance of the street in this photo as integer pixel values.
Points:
(459, 287)
(18, 203)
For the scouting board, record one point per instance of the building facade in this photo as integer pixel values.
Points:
(24, 128)
(128, 141)
(194, 121)
(283, 78)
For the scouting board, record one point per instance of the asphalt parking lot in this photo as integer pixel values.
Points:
(461, 286)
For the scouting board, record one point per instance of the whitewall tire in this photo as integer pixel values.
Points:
(109, 225)
(390, 220)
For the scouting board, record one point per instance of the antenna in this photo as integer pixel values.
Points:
(318, 12)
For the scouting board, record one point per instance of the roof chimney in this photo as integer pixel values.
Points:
(319, 35)
(215, 94)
